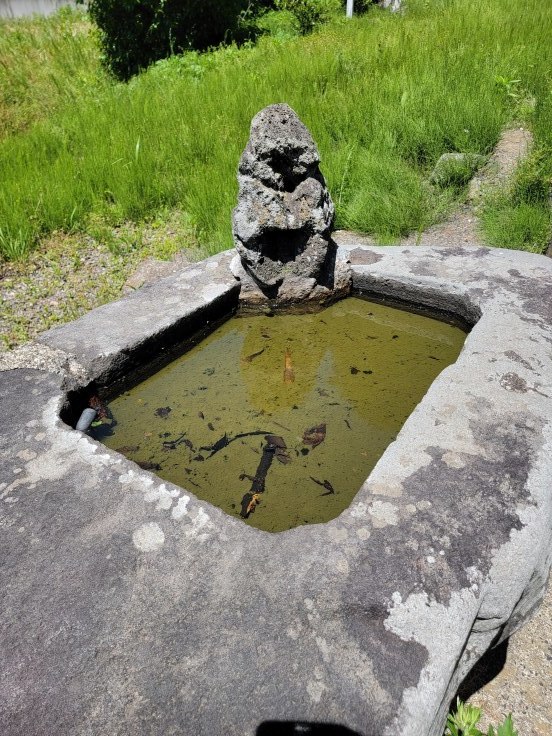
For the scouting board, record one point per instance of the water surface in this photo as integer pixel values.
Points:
(332, 390)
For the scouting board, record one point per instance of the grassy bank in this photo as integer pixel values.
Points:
(46, 64)
(384, 95)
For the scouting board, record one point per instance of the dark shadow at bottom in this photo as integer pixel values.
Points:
(488, 667)
(302, 728)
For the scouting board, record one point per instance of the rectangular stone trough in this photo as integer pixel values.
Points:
(131, 607)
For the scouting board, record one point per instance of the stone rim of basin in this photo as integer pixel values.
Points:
(370, 620)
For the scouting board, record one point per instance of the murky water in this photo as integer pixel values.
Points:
(332, 390)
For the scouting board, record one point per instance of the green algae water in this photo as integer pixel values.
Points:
(282, 418)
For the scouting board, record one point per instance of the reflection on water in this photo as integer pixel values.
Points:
(281, 419)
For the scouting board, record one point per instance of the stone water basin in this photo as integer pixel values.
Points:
(355, 372)
(132, 606)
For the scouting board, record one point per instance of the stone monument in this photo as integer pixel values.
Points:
(283, 221)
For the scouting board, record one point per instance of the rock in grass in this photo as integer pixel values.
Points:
(283, 220)
(455, 169)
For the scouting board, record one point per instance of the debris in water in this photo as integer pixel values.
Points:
(248, 504)
(281, 448)
(250, 358)
(173, 444)
(201, 415)
(128, 449)
(347, 423)
(395, 337)
(210, 426)
(252, 498)
(225, 441)
(289, 374)
(145, 465)
(315, 435)
(281, 425)
(325, 484)
(199, 458)
(163, 411)
(354, 370)
(100, 406)
(434, 358)
(274, 439)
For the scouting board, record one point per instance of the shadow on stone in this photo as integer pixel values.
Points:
(302, 728)
(488, 667)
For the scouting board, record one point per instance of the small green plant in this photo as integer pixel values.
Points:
(464, 723)
(510, 87)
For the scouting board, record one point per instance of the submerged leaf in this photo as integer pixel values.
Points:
(315, 435)
(250, 358)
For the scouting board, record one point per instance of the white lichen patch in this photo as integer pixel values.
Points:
(359, 511)
(383, 514)
(453, 460)
(442, 630)
(342, 566)
(337, 534)
(163, 496)
(363, 533)
(149, 537)
(181, 508)
(199, 522)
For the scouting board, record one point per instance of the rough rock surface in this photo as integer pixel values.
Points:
(283, 219)
(131, 607)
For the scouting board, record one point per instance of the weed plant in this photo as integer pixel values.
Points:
(384, 96)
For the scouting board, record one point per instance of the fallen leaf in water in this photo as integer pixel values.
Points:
(315, 435)
(250, 358)
(282, 456)
(289, 373)
(163, 411)
(145, 465)
(128, 449)
(249, 503)
(274, 439)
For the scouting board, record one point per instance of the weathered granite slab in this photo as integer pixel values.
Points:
(131, 607)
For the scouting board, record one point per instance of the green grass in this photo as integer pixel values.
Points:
(46, 64)
(520, 216)
(384, 96)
